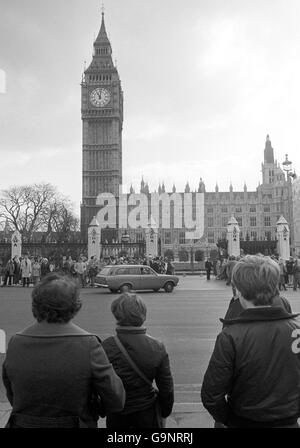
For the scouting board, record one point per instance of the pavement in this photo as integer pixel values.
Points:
(188, 411)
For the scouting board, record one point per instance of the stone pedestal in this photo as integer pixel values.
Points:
(283, 238)
(16, 244)
(233, 238)
(94, 239)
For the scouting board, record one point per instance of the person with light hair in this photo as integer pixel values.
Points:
(253, 376)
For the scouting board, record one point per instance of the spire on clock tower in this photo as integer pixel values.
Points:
(102, 36)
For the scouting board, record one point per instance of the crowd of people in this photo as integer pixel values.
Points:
(289, 271)
(252, 379)
(28, 270)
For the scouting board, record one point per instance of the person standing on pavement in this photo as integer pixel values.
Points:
(170, 267)
(92, 269)
(151, 358)
(36, 271)
(80, 269)
(53, 368)
(208, 268)
(45, 269)
(282, 277)
(26, 270)
(296, 283)
(250, 380)
(17, 270)
(9, 273)
(229, 269)
(290, 271)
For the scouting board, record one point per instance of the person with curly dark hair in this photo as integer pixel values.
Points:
(54, 369)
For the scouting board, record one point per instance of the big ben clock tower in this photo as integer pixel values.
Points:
(102, 122)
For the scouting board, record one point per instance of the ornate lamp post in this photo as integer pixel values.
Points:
(125, 240)
(287, 167)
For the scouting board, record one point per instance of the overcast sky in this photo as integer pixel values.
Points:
(204, 82)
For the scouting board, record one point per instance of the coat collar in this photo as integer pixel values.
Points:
(132, 330)
(44, 329)
(260, 314)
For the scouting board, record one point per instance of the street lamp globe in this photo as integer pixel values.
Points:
(125, 237)
(287, 166)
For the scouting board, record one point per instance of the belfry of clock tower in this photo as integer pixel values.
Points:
(102, 122)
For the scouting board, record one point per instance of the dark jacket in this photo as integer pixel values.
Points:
(253, 377)
(10, 267)
(289, 267)
(152, 359)
(50, 371)
(235, 308)
(208, 266)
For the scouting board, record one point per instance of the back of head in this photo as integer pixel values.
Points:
(55, 299)
(129, 310)
(257, 278)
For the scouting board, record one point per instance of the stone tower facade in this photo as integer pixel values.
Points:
(102, 123)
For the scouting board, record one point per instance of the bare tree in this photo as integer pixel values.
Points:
(37, 207)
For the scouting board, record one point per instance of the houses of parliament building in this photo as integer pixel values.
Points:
(256, 212)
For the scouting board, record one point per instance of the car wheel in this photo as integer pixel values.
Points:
(125, 288)
(169, 286)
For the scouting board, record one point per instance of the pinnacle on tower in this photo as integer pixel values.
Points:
(102, 35)
(268, 152)
(187, 188)
(201, 188)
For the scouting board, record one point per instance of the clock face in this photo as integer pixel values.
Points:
(100, 97)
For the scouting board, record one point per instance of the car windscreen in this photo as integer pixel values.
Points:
(105, 271)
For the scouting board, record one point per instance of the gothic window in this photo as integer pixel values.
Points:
(268, 235)
(181, 237)
(253, 221)
(224, 210)
(253, 235)
(239, 220)
(210, 210)
(238, 209)
(139, 237)
(224, 221)
(210, 236)
(167, 237)
(210, 221)
(267, 221)
(253, 209)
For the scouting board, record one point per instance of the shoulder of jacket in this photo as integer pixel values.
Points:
(156, 342)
